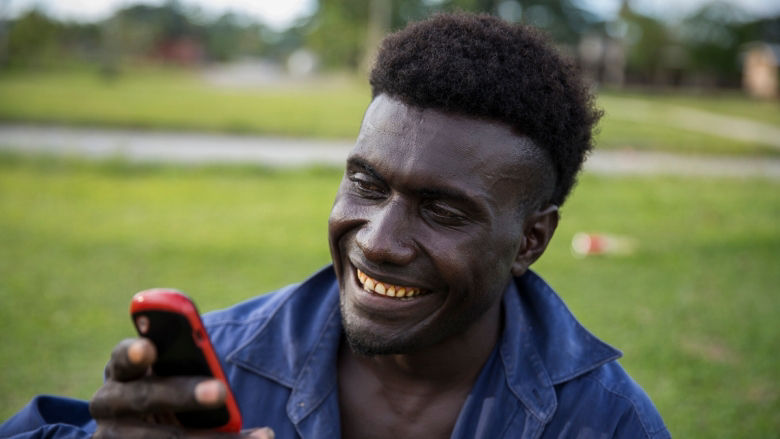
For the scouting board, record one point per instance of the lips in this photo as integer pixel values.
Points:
(386, 289)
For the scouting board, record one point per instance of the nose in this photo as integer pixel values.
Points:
(385, 237)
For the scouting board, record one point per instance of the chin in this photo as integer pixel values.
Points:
(367, 344)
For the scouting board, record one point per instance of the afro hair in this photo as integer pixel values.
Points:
(480, 66)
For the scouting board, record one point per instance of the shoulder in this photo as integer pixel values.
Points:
(591, 395)
(607, 401)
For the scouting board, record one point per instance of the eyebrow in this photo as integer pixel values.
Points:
(442, 193)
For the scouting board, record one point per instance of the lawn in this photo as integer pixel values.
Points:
(725, 102)
(694, 308)
(181, 99)
(154, 98)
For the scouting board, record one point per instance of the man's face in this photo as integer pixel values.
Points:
(431, 208)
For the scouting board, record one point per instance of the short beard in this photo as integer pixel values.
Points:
(367, 344)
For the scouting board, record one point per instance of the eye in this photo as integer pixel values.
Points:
(366, 186)
(445, 214)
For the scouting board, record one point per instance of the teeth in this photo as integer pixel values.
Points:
(373, 285)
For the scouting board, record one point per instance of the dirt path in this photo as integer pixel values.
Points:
(200, 148)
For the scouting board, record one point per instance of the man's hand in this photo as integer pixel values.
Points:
(133, 403)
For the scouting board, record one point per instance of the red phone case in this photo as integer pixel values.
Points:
(164, 305)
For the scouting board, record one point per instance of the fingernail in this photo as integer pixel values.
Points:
(263, 433)
(137, 352)
(210, 392)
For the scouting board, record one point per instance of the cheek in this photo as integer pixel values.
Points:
(338, 220)
(346, 217)
(342, 214)
(473, 259)
(338, 216)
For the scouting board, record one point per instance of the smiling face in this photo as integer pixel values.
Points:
(434, 214)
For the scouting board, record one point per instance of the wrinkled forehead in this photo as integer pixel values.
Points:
(429, 141)
(390, 117)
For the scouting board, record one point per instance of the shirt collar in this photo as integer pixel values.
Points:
(303, 327)
(553, 346)
(542, 344)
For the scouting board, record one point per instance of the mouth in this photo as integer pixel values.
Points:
(386, 289)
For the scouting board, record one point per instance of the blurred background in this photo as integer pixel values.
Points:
(196, 144)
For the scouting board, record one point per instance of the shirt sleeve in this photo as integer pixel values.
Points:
(50, 417)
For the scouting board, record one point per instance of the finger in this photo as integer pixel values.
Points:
(257, 433)
(131, 359)
(156, 395)
(136, 429)
(260, 433)
(129, 430)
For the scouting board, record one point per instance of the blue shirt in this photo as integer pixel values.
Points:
(548, 377)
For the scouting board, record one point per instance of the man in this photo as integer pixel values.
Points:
(429, 324)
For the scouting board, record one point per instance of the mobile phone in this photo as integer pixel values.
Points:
(171, 321)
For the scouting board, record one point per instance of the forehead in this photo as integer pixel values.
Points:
(428, 144)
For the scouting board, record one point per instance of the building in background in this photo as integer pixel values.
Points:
(760, 69)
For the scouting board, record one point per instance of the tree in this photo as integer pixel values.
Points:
(714, 36)
(341, 31)
(33, 40)
(645, 39)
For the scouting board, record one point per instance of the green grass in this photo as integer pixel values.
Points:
(726, 103)
(180, 99)
(661, 122)
(694, 309)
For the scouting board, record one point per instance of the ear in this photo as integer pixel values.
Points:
(538, 229)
